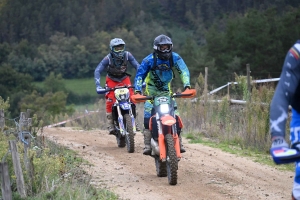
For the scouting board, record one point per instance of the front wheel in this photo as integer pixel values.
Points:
(172, 162)
(130, 136)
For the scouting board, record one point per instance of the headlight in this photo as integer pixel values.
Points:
(164, 108)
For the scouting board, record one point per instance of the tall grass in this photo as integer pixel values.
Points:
(56, 172)
(245, 125)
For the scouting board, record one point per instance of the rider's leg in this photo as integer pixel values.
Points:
(110, 124)
(147, 134)
(134, 111)
(110, 99)
(295, 138)
(179, 125)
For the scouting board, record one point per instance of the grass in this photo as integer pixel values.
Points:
(79, 86)
(58, 172)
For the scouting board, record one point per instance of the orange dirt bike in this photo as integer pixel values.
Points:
(124, 113)
(164, 125)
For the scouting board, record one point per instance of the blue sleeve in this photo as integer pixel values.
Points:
(133, 61)
(142, 72)
(100, 68)
(182, 69)
(285, 91)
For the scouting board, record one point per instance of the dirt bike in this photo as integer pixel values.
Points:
(164, 125)
(124, 113)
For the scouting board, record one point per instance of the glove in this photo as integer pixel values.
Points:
(279, 141)
(281, 153)
(100, 90)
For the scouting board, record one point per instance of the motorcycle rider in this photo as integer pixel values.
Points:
(115, 64)
(156, 70)
(288, 93)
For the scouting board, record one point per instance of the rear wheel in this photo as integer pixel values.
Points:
(172, 162)
(120, 139)
(161, 167)
(130, 136)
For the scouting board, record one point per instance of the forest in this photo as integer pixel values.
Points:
(70, 37)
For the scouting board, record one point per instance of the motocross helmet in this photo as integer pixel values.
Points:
(163, 46)
(117, 47)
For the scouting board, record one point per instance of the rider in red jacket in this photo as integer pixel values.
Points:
(115, 64)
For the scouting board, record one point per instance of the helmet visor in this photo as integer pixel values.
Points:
(119, 48)
(164, 48)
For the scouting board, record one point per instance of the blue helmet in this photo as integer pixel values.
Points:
(117, 47)
(163, 46)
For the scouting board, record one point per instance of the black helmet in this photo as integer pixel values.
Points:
(163, 46)
(117, 47)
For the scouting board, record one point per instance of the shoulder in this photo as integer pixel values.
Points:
(295, 50)
(128, 55)
(176, 56)
(106, 59)
(148, 59)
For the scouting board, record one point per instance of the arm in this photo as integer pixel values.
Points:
(133, 61)
(100, 68)
(285, 90)
(142, 72)
(182, 70)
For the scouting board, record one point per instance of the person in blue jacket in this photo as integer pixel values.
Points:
(156, 70)
(287, 94)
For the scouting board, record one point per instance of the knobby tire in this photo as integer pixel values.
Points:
(172, 162)
(130, 136)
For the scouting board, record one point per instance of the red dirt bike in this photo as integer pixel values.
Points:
(123, 113)
(164, 125)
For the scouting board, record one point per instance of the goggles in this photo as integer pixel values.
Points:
(118, 48)
(164, 48)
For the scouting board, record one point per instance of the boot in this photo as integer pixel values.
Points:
(147, 142)
(182, 150)
(293, 198)
(137, 127)
(110, 123)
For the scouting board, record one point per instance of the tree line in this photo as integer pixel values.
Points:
(71, 37)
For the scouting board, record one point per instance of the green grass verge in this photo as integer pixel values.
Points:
(234, 148)
(79, 86)
(58, 172)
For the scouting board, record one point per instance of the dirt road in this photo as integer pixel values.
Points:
(204, 173)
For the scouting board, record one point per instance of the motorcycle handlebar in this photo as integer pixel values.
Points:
(118, 87)
(186, 94)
